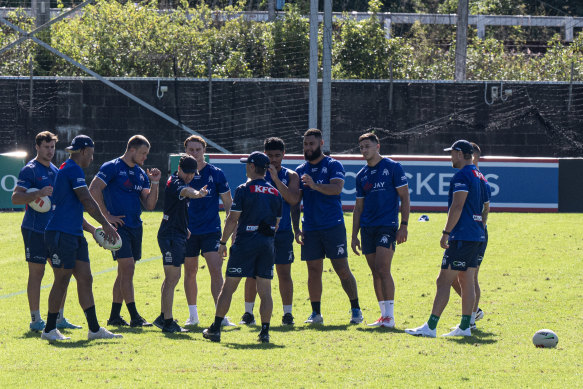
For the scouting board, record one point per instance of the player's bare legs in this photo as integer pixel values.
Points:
(82, 274)
(224, 302)
(172, 276)
(36, 272)
(346, 277)
(215, 265)
(264, 292)
(190, 285)
(315, 269)
(286, 284)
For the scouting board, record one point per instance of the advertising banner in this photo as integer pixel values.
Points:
(10, 166)
(518, 184)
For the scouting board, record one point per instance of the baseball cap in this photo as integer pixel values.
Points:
(80, 142)
(188, 164)
(461, 145)
(257, 158)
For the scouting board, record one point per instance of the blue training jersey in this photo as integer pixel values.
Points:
(378, 185)
(259, 202)
(321, 211)
(285, 222)
(67, 209)
(469, 226)
(36, 175)
(124, 189)
(175, 219)
(203, 213)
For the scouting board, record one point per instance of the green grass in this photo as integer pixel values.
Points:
(532, 278)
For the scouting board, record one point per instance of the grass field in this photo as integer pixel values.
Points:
(532, 278)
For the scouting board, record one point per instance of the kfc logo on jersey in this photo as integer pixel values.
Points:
(263, 189)
(478, 174)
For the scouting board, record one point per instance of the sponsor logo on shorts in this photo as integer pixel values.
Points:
(56, 260)
(444, 260)
(385, 239)
(27, 253)
(251, 228)
(459, 263)
(168, 257)
(291, 256)
(478, 218)
(217, 245)
(341, 250)
(235, 270)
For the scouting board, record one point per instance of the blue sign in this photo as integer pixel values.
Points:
(518, 184)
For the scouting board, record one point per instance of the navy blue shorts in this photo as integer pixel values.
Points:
(379, 236)
(203, 243)
(461, 255)
(284, 247)
(34, 246)
(482, 249)
(131, 243)
(173, 249)
(64, 249)
(330, 243)
(252, 256)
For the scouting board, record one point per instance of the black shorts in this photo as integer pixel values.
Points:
(381, 236)
(34, 246)
(173, 250)
(203, 243)
(252, 256)
(65, 249)
(461, 255)
(330, 243)
(284, 247)
(131, 243)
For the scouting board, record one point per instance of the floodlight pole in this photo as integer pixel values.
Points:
(313, 87)
(461, 43)
(326, 73)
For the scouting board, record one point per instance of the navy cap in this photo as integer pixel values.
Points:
(188, 164)
(461, 145)
(258, 159)
(80, 142)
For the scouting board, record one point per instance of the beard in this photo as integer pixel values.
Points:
(315, 155)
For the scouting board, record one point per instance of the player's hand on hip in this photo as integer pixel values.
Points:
(355, 245)
(223, 250)
(116, 221)
(154, 174)
(308, 181)
(402, 235)
(444, 241)
(299, 235)
(46, 191)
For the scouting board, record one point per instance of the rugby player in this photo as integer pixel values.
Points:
(255, 213)
(461, 238)
(120, 188)
(323, 232)
(287, 183)
(38, 173)
(173, 233)
(379, 187)
(65, 241)
(477, 313)
(204, 224)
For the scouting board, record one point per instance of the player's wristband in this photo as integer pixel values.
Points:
(222, 243)
(404, 223)
(155, 182)
(446, 232)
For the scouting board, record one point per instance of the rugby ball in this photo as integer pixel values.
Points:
(545, 339)
(100, 238)
(42, 204)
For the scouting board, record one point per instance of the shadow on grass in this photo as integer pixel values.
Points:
(253, 346)
(312, 327)
(478, 337)
(381, 330)
(178, 335)
(82, 343)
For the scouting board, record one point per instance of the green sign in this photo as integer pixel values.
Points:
(173, 162)
(10, 166)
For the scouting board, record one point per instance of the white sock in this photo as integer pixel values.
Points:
(35, 316)
(382, 307)
(389, 305)
(249, 306)
(193, 311)
(286, 309)
(473, 318)
(60, 316)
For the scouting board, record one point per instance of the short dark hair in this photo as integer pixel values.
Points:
(476, 148)
(45, 136)
(313, 132)
(137, 141)
(369, 136)
(273, 143)
(259, 170)
(195, 138)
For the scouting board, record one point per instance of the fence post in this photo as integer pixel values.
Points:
(571, 87)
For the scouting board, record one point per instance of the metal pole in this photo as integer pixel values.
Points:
(313, 88)
(571, 87)
(391, 87)
(327, 74)
(270, 10)
(210, 71)
(461, 48)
